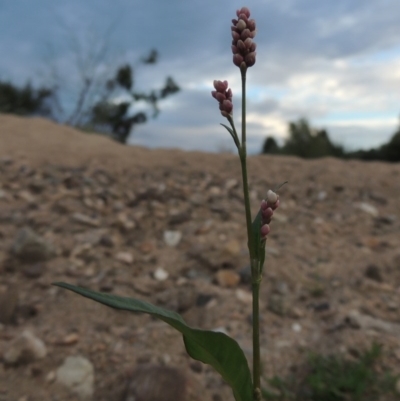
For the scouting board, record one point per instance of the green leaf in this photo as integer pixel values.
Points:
(259, 244)
(216, 349)
(233, 135)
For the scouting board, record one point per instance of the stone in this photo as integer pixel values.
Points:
(232, 247)
(227, 278)
(29, 247)
(33, 271)
(158, 383)
(278, 304)
(373, 272)
(85, 220)
(172, 238)
(160, 274)
(244, 296)
(77, 374)
(365, 322)
(124, 257)
(8, 304)
(24, 349)
(367, 208)
(124, 223)
(245, 275)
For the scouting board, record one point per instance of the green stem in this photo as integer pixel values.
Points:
(256, 337)
(254, 262)
(243, 162)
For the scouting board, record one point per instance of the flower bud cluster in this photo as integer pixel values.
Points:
(243, 33)
(224, 97)
(267, 210)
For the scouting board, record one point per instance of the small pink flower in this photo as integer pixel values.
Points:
(224, 97)
(243, 33)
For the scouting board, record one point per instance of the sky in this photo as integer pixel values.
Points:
(336, 63)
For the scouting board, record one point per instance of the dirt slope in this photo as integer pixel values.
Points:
(106, 216)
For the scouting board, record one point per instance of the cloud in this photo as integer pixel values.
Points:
(336, 63)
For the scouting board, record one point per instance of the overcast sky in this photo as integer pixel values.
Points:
(336, 63)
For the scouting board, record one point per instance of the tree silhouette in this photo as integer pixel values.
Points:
(26, 100)
(304, 141)
(117, 118)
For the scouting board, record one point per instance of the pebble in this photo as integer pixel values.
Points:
(278, 304)
(172, 238)
(160, 274)
(24, 349)
(158, 383)
(124, 257)
(373, 272)
(77, 374)
(30, 247)
(70, 339)
(227, 278)
(8, 304)
(367, 208)
(85, 219)
(296, 327)
(33, 271)
(244, 296)
(232, 247)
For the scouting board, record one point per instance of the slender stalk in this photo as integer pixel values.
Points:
(256, 338)
(243, 156)
(254, 262)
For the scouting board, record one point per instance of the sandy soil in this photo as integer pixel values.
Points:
(331, 282)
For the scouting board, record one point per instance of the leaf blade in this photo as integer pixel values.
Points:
(216, 349)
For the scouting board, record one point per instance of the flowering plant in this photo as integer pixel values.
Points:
(214, 348)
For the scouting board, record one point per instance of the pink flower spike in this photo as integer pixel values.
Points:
(243, 30)
(224, 97)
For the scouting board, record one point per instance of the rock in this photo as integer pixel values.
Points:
(85, 219)
(146, 247)
(227, 278)
(77, 374)
(245, 275)
(69, 339)
(373, 272)
(124, 223)
(8, 304)
(232, 247)
(172, 238)
(33, 271)
(177, 299)
(25, 348)
(231, 183)
(160, 274)
(156, 383)
(278, 304)
(296, 327)
(179, 216)
(358, 320)
(124, 257)
(367, 208)
(203, 299)
(244, 296)
(30, 247)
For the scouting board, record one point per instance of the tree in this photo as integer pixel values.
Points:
(304, 141)
(26, 100)
(117, 118)
(270, 146)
